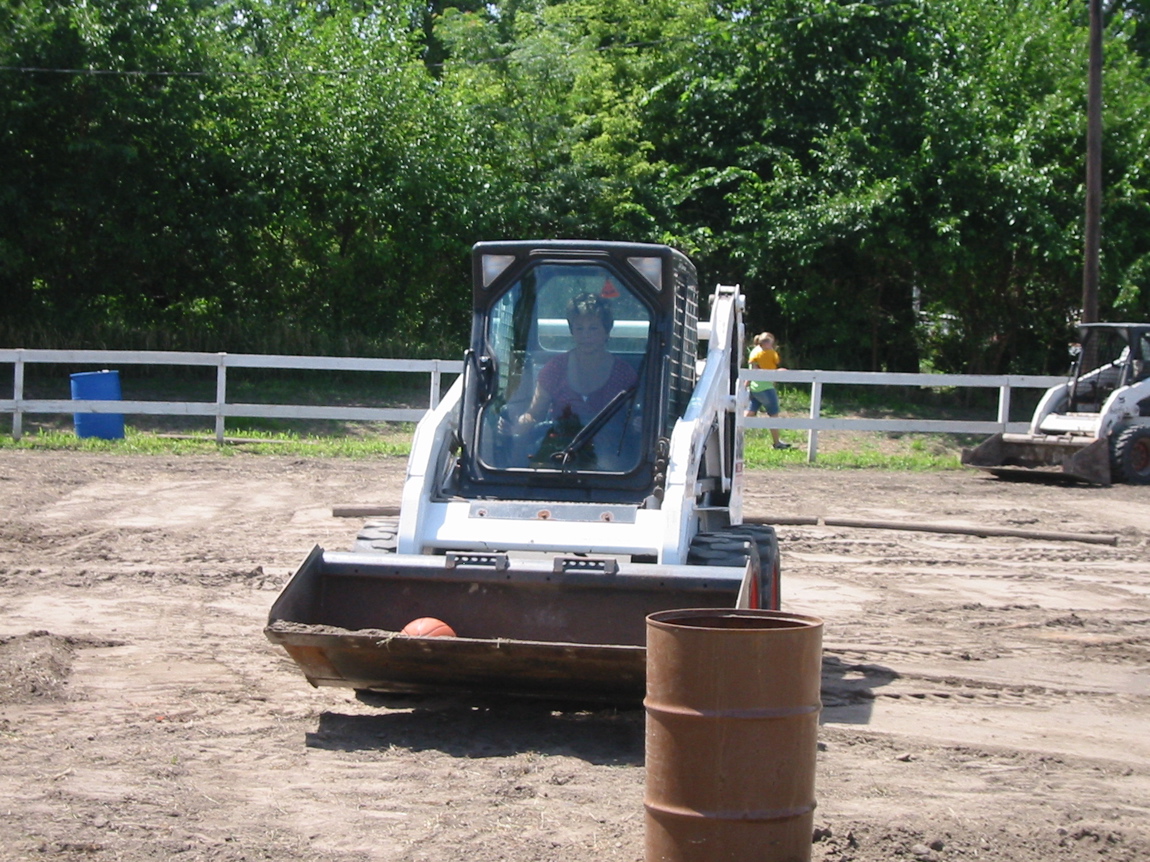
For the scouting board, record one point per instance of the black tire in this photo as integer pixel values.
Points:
(378, 537)
(1130, 455)
(767, 543)
(733, 547)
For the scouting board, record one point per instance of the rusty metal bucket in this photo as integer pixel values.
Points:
(732, 727)
(526, 627)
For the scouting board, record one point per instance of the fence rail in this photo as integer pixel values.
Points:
(221, 409)
(816, 422)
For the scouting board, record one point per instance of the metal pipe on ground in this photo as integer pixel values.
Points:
(1047, 535)
(957, 529)
(732, 733)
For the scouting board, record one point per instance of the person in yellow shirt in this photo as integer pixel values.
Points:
(763, 395)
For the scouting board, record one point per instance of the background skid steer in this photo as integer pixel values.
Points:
(545, 551)
(1093, 428)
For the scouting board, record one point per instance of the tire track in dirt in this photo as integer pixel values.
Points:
(981, 695)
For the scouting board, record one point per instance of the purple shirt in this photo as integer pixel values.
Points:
(553, 379)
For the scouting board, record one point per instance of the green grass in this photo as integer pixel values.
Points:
(837, 450)
(876, 449)
(392, 443)
(856, 450)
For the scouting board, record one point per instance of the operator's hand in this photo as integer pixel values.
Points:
(517, 426)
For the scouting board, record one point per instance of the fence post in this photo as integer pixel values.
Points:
(18, 395)
(433, 396)
(1004, 404)
(816, 408)
(221, 396)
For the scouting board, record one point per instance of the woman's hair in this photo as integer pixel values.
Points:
(589, 303)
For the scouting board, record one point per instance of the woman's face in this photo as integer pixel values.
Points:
(588, 332)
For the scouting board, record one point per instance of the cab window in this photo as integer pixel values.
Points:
(568, 350)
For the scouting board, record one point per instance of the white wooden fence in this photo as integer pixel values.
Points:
(222, 409)
(816, 422)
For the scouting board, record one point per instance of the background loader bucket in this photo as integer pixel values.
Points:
(572, 629)
(1084, 459)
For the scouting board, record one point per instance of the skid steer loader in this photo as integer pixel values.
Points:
(1095, 427)
(544, 544)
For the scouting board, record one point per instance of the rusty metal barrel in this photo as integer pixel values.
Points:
(732, 734)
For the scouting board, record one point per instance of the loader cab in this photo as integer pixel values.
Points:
(546, 312)
(1109, 356)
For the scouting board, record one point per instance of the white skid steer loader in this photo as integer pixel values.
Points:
(1095, 427)
(544, 515)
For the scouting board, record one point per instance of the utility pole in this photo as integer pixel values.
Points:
(1093, 168)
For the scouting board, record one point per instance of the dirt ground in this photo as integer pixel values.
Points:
(984, 698)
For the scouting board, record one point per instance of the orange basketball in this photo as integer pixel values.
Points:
(428, 627)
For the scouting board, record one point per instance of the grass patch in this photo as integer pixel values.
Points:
(894, 450)
(858, 449)
(837, 449)
(394, 441)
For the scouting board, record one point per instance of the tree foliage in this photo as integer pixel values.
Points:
(896, 183)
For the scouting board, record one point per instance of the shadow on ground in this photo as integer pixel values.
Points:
(608, 737)
(848, 690)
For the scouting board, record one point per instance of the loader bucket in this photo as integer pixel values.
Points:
(570, 629)
(1085, 459)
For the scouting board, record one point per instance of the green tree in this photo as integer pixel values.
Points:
(109, 189)
(790, 132)
(359, 171)
(554, 96)
(898, 183)
(894, 184)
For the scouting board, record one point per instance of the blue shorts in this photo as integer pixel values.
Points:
(765, 399)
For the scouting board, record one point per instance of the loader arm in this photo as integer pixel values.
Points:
(705, 468)
(431, 457)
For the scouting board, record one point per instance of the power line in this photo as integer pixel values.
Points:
(129, 73)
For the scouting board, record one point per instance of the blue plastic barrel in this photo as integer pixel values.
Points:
(98, 386)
